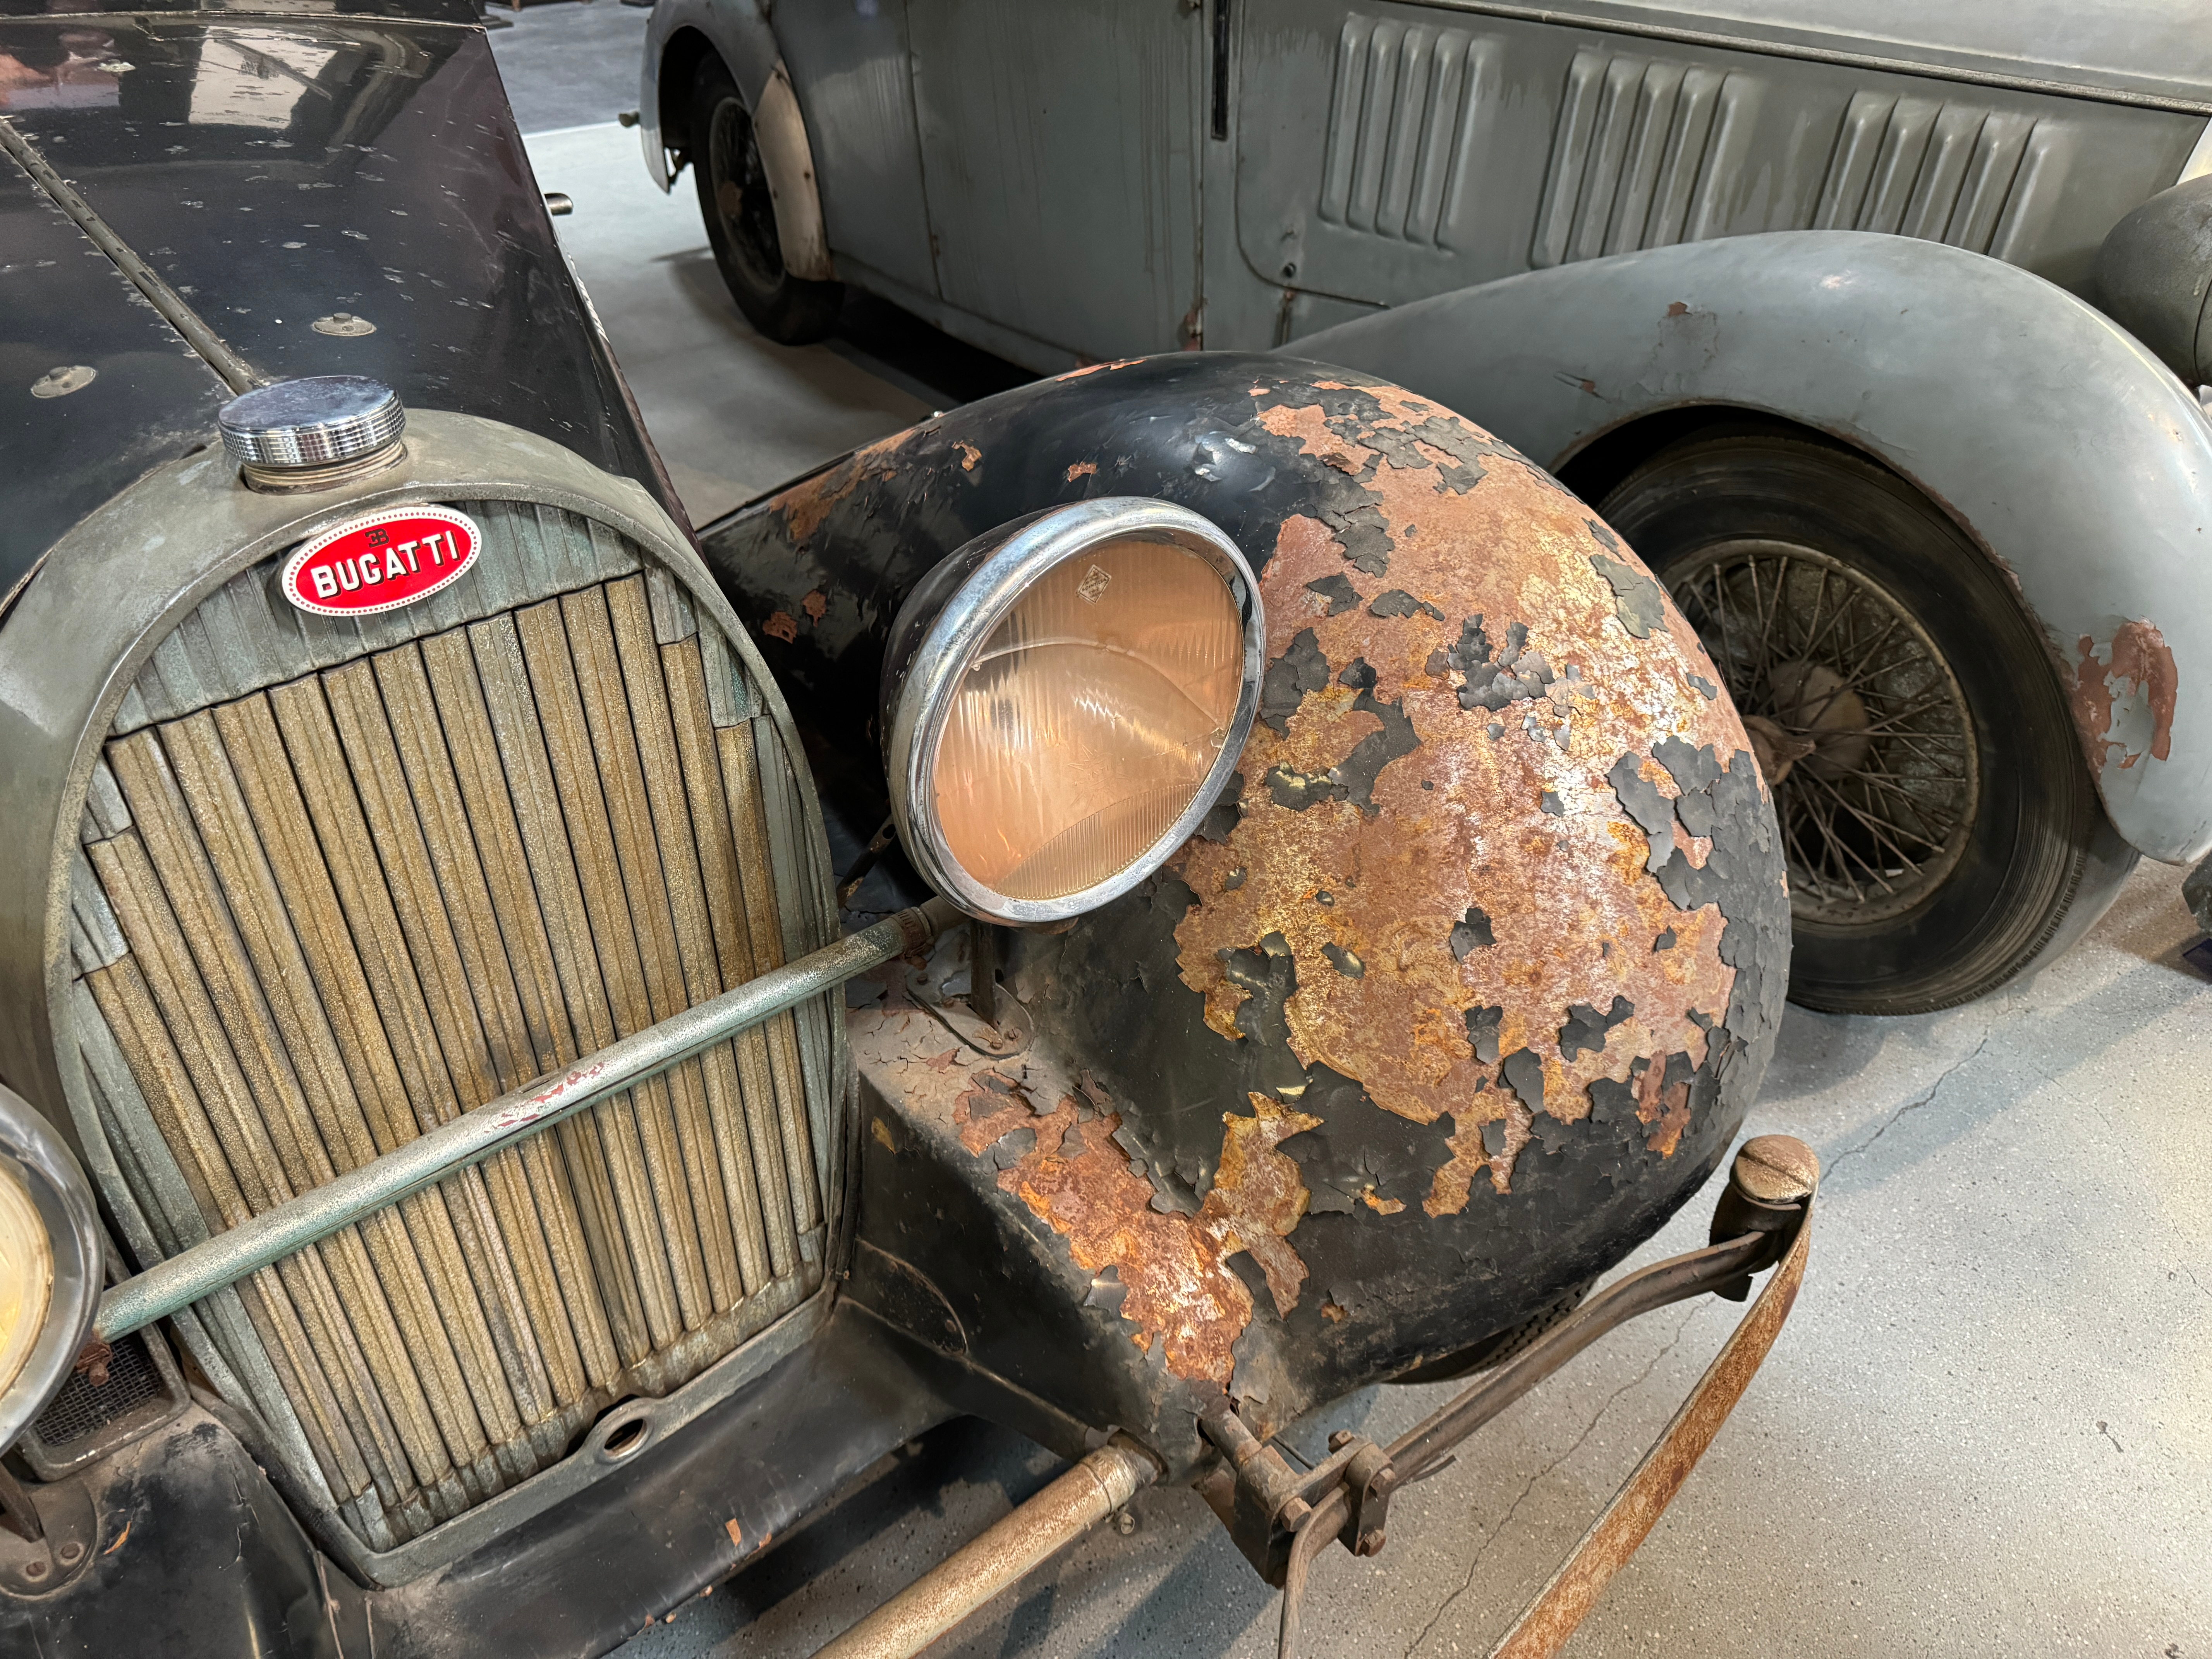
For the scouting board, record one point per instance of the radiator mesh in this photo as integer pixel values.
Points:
(323, 917)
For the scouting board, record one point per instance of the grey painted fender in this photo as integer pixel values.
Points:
(738, 31)
(2062, 445)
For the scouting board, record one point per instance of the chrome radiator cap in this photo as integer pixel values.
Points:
(321, 422)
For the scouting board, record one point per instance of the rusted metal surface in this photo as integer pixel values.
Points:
(1548, 1620)
(1429, 824)
(2124, 694)
(998, 1557)
(1463, 984)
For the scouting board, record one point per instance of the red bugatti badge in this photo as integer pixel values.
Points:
(382, 561)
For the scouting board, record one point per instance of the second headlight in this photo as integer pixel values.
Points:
(1064, 698)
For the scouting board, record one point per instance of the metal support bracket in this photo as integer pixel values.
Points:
(1280, 1519)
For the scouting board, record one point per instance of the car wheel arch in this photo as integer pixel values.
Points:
(2055, 441)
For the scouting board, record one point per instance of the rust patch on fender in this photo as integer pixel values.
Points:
(806, 506)
(1481, 868)
(816, 604)
(1180, 1292)
(2123, 695)
(1082, 470)
(781, 625)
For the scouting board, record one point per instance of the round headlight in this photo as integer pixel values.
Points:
(49, 1264)
(1063, 699)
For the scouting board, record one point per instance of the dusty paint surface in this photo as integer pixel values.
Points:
(2123, 696)
(1430, 829)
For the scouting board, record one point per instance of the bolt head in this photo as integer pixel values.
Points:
(34, 1571)
(1341, 1439)
(1776, 1169)
(70, 1553)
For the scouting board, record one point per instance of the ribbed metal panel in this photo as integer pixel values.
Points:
(1398, 128)
(1641, 155)
(1942, 171)
(322, 912)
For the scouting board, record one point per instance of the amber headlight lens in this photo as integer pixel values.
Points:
(1064, 699)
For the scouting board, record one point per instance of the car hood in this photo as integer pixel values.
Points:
(340, 194)
(2152, 52)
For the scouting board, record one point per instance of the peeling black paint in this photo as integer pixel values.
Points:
(1666, 940)
(1339, 592)
(1399, 603)
(1359, 674)
(1586, 1028)
(1471, 932)
(1270, 977)
(1515, 674)
(1482, 1025)
(1300, 670)
(1222, 817)
(1524, 1074)
(1397, 739)
(1551, 804)
(1344, 962)
(1637, 599)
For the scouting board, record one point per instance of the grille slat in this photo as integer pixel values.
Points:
(769, 1243)
(367, 911)
(654, 1195)
(215, 1120)
(743, 779)
(339, 994)
(296, 1067)
(602, 1149)
(710, 1254)
(502, 892)
(732, 1193)
(326, 913)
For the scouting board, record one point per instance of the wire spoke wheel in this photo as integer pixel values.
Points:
(1864, 733)
(739, 209)
(742, 199)
(1941, 830)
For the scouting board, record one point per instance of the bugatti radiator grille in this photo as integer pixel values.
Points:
(320, 914)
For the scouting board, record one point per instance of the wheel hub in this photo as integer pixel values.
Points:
(1860, 726)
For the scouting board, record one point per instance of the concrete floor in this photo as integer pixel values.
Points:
(1987, 1429)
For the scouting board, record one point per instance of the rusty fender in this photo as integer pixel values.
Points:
(1462, 990)
(2067, 451)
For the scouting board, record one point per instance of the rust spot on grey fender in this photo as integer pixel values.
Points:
(2124, 694)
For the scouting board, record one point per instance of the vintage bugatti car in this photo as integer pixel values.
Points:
(457, 1194)
(1799, 292)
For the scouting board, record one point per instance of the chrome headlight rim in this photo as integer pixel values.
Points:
(962, 601)
(32, 1153)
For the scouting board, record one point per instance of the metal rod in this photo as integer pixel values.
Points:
(972, 1576)
(1676, 1279)
(229, 1256)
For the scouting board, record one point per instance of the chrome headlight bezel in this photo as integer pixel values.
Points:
(951, 616)
(32, 1153)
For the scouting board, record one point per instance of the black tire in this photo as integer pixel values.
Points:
(1943, 832)
(740, 215)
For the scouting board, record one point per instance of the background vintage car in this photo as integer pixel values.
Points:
(1754, 278)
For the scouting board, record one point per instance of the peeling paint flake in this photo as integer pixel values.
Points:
(2123, 696)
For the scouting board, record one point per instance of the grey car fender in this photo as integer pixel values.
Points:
(2063, 447)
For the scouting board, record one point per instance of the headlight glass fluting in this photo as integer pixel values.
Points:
(1071, 704)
